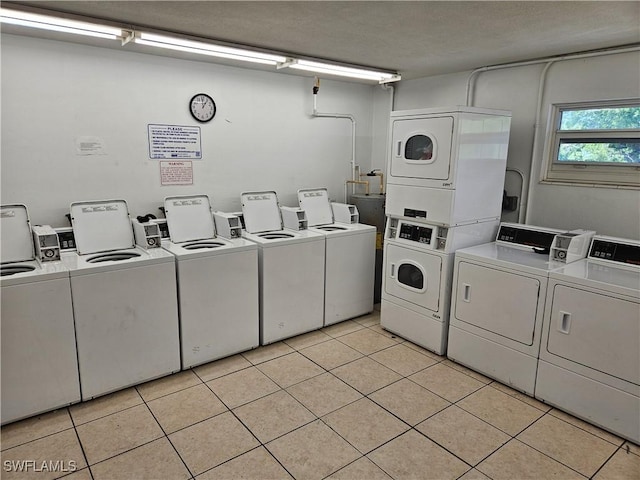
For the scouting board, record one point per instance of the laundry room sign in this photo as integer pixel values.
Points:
(174, 142)
(176, 173)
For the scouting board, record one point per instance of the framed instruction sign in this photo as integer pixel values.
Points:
(174, 142)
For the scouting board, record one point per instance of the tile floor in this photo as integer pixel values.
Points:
(348, 402)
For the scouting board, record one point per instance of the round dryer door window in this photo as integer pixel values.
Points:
(418, 147)
(411, 276)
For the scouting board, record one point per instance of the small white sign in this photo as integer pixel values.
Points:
(174, 142)
(176, 173)
(87, 145)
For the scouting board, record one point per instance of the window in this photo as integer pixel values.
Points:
(418, 147)
(594, 143)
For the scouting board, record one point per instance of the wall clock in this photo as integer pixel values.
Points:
(202, 107)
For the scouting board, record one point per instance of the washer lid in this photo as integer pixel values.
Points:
(261, 211)
(189, 218)
(101, 226)
(17, 243)
(315, 202)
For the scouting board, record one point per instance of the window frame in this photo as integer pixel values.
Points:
(596, 174)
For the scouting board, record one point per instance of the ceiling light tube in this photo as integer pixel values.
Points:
(381, 77)
(56, 24)
(190, 46)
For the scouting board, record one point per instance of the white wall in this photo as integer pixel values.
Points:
(261, 138)
(607, 210)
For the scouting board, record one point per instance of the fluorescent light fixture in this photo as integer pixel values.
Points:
(190, 46)
(56, 24)
(381, 77)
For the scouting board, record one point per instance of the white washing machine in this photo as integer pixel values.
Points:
(291, 270)
(39, 362)
(418, 263)
(217, 283)
(590, 354)
(458, 153)
(124, 300)
(349, 256)
(497, 303)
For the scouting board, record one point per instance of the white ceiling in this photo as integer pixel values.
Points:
(414, 38)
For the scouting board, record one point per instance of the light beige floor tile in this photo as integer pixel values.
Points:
(62, 447)
(312, 452)
(378, 329)
(369, 320)
(152, 461)
(467, 371)
(366, 375)
(273, 415)
(570, 445)
(307, 339)
(242, 387)
(632, 447)
(84, 474)
(424, 351)
(409, 401)
(609, 437)
(208, 444)
(33, 428)
(622, 466)
(366, 341)
(361, 469)
(517, 460)
(342, 328)
(474, 474)
(412, 456)
(290, 369)
(166, 385)
(324, 393)
(257, 464)
(365, 425)
(117, 433)
(521, 396)
(102, 406)
(500, 410)
(186, 407)
(446, 382)
(268, 352)
(331, 354)
(464, 435)
(221, 367)
(403, 360)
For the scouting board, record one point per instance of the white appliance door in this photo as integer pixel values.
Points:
(413, 276)
(421, 148)
(497, 301)
(597, 331)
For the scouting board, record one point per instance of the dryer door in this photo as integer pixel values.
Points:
(596, 330)
(421, 148)
(413, 276)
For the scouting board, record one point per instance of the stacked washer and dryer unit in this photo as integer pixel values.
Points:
(444, 192)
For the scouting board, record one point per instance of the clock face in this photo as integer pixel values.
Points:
(202, 107)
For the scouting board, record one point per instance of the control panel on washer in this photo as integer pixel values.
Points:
(618, 252)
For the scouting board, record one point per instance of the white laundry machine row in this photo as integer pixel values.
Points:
(447, 165)
(217, 283)
(498, 299)
(590, 354)
(124, 301)
(349, 255)
(291, 268)
(39, 363)
(418, 264)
